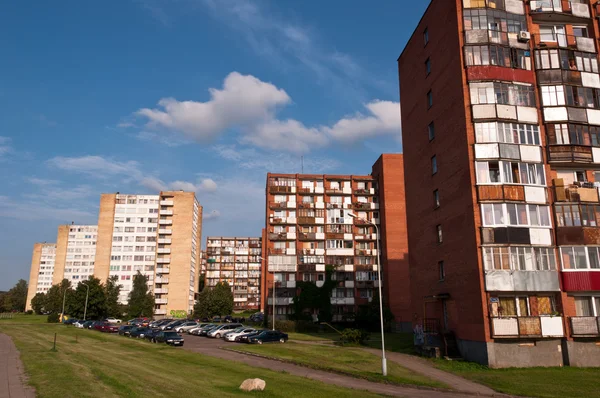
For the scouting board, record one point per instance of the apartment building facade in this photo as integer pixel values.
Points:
(316, 221)
(500, 115)
(157, 235)
(75, 253)
(236, 261)
(41, 271)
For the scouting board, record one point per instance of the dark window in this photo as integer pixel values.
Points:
(426, 36)
(428, 66)
(431, 129)
(429, 99)
(434, 167)
(436, 198)
(439, 233)
(441, 270)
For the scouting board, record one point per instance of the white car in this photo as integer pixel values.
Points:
(79, 324)
(113, 320)
(230, 336)
(184, 327)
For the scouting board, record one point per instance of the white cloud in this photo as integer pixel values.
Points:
(384, 118)
(171, 140)
(202, 185)
(97, 166)
(243, 100)
(290, 135)
(24, 210)
(5, 147)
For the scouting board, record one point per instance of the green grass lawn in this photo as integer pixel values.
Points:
(564, 382)
(91, 364)
(396, 342)
(329, 337)
(351, 361)
(22, 318)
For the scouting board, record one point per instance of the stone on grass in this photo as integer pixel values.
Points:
(253, 385)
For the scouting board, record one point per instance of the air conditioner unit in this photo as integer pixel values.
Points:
(524, 36)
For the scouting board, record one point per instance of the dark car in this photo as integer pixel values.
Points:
(157, 324)
(150, 334)
(124, 330)
(257, 317)
(245, 337)
(268, 336)
(220, 330)
(170, 338)
(139, 332)
(86, 324)
(228, 319)
(204, 331)
(109, 328)
(93, 324)
(98, 325)
(217, 319)
(70, 321)
(174, 324)
(198, 331)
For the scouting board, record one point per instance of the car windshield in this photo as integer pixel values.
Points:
(237, 329)
(171, 334)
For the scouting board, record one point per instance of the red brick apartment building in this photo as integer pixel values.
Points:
(501, 133)
(308, 227)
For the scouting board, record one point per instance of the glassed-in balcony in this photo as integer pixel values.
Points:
(585, 326)
(556, 38)
(559, 10)
(527, 327)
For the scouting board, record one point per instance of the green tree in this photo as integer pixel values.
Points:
(201, 282)
(201, 308)
(221, 300)
(112, 290)
(96, 303)
(313, 299)
(367, 316)
(3, 302)
(17, 296)
(54, 296)
(141, 301)
(38, 303)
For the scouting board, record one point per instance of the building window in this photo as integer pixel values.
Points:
(428, 66)
(439, 233)
(441, 270)
(434, 167)
(429, 99)
(431, 130)
(436, 198)
(426, 36)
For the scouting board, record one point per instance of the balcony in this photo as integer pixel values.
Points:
(557, 10)
(165, 222)
(364, 191)
(281, 300)
(160, 311)
(163, 260)
(575, 193)
(163, 250)
(160, 280)
(164, 241)
(161, 291)
(583, 280)
(160, 301)
(275, 189)
(568, 77)
(338, 191)
(570, 154)
(488, 36)
(166, 212)
(558, 40)
(306, 205)
(521, 281)
(282, 267)
(306, 191)
(277, 235)
(585, 326)
(527, 327)
(342, 300)
(282, 205)
(166, 203)
(362, 206)
(162, 270)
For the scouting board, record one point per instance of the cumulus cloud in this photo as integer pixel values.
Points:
(384, 118)
(244, 99)
(202, 185)
(97, 166)
(290, 135)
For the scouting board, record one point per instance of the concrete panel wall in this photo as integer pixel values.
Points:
(33, 274)
(525, 354)
(62, 240)
(582, 353)
(106, 221)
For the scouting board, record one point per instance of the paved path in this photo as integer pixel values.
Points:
(11, 372)
(210, 347)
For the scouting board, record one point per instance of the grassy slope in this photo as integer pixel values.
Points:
(353, 361)
(101, 365)
(531, 382)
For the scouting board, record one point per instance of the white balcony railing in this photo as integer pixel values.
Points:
(164, 241)
(163, 250)
(160, 270)
(160, 311)
(527, 327)
(166, 203)
(282, 267)
(166, 212)
(163, 260)
(165, 222)
(160, 301)
(163, 290)
(165, 231)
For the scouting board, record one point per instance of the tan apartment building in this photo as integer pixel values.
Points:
(42, 269)
(157, 235)
(75, 253)
(316, 221)
(236, 261)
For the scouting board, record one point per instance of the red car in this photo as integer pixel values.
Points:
(109, 328)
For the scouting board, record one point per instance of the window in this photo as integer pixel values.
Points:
(580, 258)
(434, 167)
(441, 270)
(439, 233)
(497, 56)
(510, 133)
(513, 214)
(498, 22)
(431, 130)
(426, 36)
(428, 66)
(503, 172)
(436, 198)
(518, 258)
(573, 215)
(429, 99)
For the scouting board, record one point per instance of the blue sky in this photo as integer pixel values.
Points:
(207, 95)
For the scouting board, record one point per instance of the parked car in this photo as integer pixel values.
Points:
(198, 326)
(184, 327)
(98, 325)
(205, 330)
(69, 321)
(171, 338)
(228, 319)
(268, 336)
(219, 331)
(158, 323)
(86, 324)
(112, 320)
(139, 332)
(79, 324)
(93, 324)
(150, 335)
(109, 328)
(231, 336)
(246, 337)
(125, 329)
(216, 319)
(257, 317)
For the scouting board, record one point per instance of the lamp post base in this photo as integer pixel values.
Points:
(384, 366)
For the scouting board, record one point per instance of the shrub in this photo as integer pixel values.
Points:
(285, 326)
(29, 312)
(354, 336)
(53, 318)
(307, 327)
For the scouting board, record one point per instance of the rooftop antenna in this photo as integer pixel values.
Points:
(302, 161)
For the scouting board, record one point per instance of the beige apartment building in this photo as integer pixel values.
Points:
(236, 261)
(157, 235)
(75, 253)
(42, 269)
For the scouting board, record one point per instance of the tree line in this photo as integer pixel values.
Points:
(15, 299)
(102, 299)
(214, 301)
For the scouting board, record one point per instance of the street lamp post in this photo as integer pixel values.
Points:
(262, 258)
(87, 293)
(383, 359)
(62, 314)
